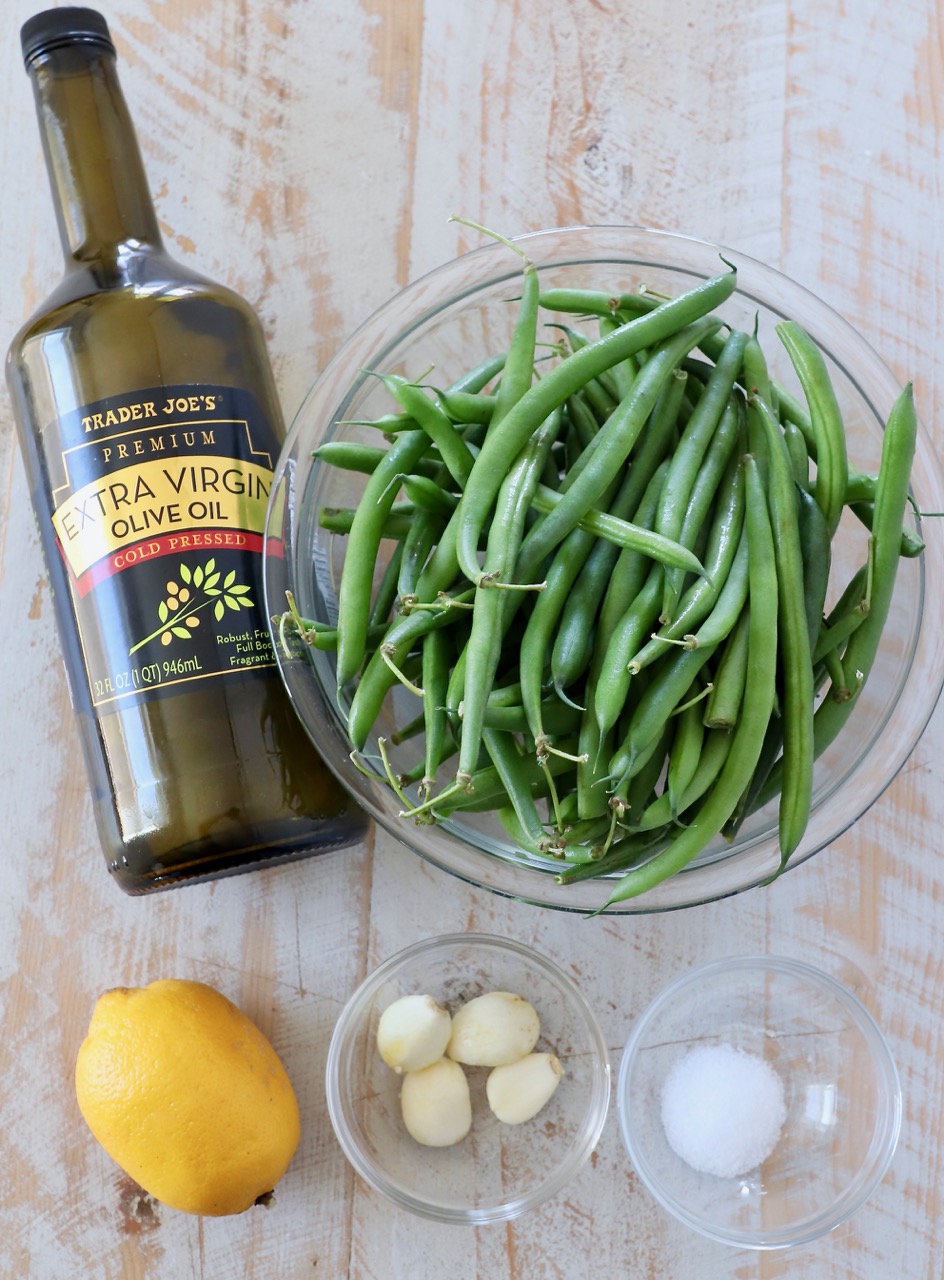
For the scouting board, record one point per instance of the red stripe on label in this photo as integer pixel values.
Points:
(168, 544)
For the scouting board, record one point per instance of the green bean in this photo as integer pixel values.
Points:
(466, 407)
(478, 378)
(860, 486)
(574, 451)
(816, 554)
(472, 381)
(840, 689)
(437, 424)
(698, 601)
(640, 789)
(910, 546)
(456, 687)
(518, 373)
(391, 424)
(834, 634)
(749, 800)
(757, 706)
(623, 373)
(662, 696)
(756, 375)
(568, 853)
(716, 745)
(724, 701)
(602, 392)
(631, 568)
(600, 398)
(593, 751)
(318, 635)
(799, 457)
(486, 791)
(503, 445)
(891, 499)
(378, 677)
(617, 437)
(515, 831)
(713, 408)
(583, 420)
(591, 835)
(620, 532)
(596, 302)
(426, 495)
(625, 640)
(395, 522)
(607, 564)
(726, 610)
(556, 718)
(794, 636)
(418, 541)
(367, 530)
(832, 464)
(536, 640)
(411, 729)
(435, 674)
(350, 456)
(509, 764)
(633, 850)
(715, 468)
(853, 591)
(386, 592)
(469, 383)
(687, 743)
(439, 572)
(505, 695)
(576, 633)
(789, 410)
(488, 614)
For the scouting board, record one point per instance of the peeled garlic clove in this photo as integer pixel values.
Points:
(493, 1029)
(517, 1092)
(413, 1033)
(436, 1106)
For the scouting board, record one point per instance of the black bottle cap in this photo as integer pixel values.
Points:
(58, 27)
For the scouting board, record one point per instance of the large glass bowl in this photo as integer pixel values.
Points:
(448, 321)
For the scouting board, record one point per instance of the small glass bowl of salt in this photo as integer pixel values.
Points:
(758, 1101)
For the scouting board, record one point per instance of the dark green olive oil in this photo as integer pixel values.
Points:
(150, 427)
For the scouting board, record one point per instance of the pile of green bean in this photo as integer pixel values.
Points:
(607, 581)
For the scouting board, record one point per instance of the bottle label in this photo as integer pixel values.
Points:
(158, 512)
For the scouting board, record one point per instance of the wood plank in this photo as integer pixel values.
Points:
(312, 160)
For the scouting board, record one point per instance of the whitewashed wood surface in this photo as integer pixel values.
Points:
(309, 155)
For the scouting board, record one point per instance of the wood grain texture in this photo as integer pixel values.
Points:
(311, 156)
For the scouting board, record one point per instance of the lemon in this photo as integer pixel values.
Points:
(187, 1095)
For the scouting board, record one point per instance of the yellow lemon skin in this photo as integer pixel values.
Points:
(187, 1095)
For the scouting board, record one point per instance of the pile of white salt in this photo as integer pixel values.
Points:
(722, 1109)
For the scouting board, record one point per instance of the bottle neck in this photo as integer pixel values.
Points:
(100, 191)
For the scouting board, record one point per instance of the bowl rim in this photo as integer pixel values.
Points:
(596, 1111)
(708, 880)
(888, 1124)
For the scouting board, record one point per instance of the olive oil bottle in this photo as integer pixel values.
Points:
(150, 426)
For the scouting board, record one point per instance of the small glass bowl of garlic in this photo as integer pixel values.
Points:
(468, 1079)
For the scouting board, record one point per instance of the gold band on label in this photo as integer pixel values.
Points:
(159, 497)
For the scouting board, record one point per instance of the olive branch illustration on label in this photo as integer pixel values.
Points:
(177, 612)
